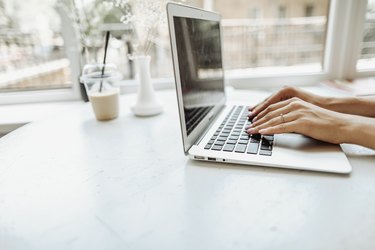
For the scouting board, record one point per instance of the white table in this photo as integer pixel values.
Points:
(70, 182)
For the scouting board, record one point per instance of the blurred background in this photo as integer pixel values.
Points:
(258, 36)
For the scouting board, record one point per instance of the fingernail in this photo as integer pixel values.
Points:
(248, 127)
(255, 119)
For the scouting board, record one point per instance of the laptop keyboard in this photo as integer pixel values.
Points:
(232, 137)
(193, 116)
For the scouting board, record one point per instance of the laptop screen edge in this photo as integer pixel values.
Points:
(180, 10)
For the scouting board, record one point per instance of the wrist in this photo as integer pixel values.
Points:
(359, 131)
(342, 105)
(323, 102)
(314, 99)
(353, 129)
(327, 102)
(349, 132)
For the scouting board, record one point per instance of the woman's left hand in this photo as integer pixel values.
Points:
(298, 116)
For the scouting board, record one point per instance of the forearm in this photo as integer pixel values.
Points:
(350, 105)
(361, 131)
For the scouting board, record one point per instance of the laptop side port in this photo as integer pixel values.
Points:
(211, 159)
(198, 157)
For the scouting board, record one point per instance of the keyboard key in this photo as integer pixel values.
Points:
(245, 137)
(232, 141)
(268, 137)
(213, 137)
(219, 143)
(208, 146)
(265, 152)
(266, 145)
(241, 148)
(217, 148)
(222, 138)
(235, 134)
(224, 134)
(253, 148)
(255, 140)
(243, 141)
(211, 141)
(256, 136)
(228, 147)
(233, 138)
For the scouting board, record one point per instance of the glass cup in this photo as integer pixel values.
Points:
(102, 89)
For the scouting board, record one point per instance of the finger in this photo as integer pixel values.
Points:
(273, 122)
(260, 106)
(274, 114)
(283, 94)
(272, 108)
(275, 98)
(253, 107)
(289, 127)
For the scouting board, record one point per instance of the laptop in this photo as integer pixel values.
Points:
(213, 130)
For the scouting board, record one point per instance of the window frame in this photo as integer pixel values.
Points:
(359, 27)
(342, 50)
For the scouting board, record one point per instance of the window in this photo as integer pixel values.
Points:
(32, 52)
(309, 10)
(254, 13)
(274, 42)
(265, 42)
(367, 55)
(282, 11)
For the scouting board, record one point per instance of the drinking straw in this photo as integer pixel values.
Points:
(104, 60)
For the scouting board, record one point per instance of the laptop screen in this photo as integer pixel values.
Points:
(198, 45)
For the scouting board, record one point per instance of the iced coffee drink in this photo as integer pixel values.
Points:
(102, 90)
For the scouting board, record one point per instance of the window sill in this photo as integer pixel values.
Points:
(242, 81)
(131, 86)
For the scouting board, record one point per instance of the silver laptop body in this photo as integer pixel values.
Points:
(214, 131)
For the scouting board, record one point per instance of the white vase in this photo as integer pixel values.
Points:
(147, 103)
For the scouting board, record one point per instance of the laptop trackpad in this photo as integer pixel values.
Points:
(297, 141)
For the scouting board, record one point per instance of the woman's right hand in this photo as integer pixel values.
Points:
(297, 116)
(282, 95)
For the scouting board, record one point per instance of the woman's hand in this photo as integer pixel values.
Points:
(285, 94)
(299, 116)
